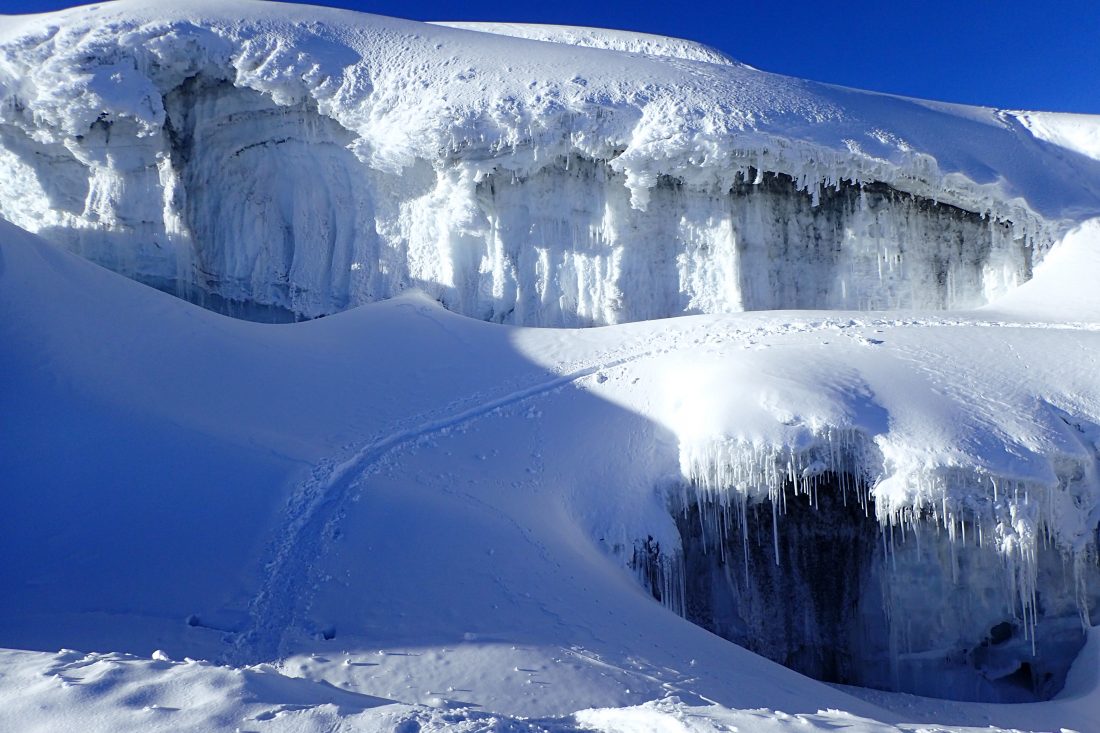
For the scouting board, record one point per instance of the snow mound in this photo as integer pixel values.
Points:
(671, 715)
(119, 692)
(1075, 132)
(1062, 288)
(261, 504)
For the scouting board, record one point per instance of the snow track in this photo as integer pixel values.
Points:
(313, 511)
(321, 497)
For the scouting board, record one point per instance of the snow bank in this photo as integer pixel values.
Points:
(671, 715)
(397, 517)
(1074, 132)
(504, 476)
(309, 160)
(107, 693)
(116, 692)
(1063, 286)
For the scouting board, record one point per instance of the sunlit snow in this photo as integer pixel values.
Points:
(640, 371)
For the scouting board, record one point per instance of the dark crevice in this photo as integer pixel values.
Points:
(845, 602)
(795, 609)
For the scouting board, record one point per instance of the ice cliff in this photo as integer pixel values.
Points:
(303, 161)
(283, 162)
(919, 516)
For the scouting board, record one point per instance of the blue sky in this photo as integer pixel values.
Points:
(1002, 53)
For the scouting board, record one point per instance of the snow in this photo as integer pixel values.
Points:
(492, 464)
(398, 517)
(1077, 133)
(597, 178)
(611, 40)
(1061, 288)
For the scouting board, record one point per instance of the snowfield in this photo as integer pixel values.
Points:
(839, 406)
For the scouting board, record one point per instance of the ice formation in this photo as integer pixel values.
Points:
(935, 540)
(289, 166)
(293, 164)
(945, 582)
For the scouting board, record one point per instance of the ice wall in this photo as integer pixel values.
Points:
(283, 168)
(566, 246)
(242, 200)
(980, 588)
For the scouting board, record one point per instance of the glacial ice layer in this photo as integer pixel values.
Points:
(304, 168)
(840, 563)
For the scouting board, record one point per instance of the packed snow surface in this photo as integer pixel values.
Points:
(402, 518)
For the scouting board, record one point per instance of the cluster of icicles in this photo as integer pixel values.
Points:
(1012, 518)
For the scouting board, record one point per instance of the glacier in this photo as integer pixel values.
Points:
(845, 415)
(159, 144)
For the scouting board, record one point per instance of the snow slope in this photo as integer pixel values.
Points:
(610, 40)
(451, 509)
(85, 366)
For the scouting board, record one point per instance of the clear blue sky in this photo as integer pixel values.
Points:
(1002, 53)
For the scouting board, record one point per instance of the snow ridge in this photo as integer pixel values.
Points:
(611, 40)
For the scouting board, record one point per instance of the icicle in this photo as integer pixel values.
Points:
(702, 528)
(745, 536)
(775, 533)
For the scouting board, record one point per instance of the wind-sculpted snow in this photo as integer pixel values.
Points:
(286, 162)
(610, 40)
